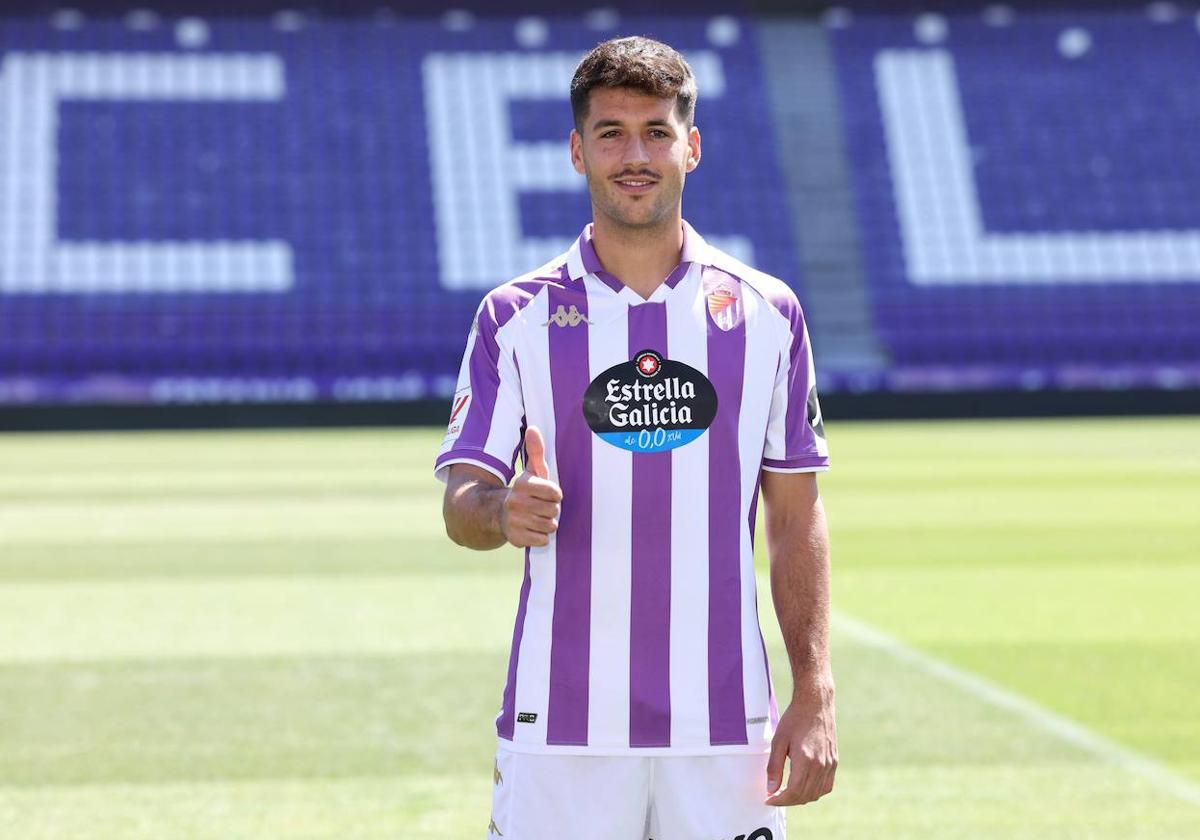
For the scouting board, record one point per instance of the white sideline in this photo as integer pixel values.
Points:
(1061, 727)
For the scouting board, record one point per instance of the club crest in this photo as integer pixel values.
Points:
(724, 296)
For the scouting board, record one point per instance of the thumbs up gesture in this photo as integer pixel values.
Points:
(530, 511)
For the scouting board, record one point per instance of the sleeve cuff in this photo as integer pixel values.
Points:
(477, 457)
(811, 463)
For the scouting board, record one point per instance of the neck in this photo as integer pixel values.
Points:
(641, 258)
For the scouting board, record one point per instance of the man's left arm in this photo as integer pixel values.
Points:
(798, 547)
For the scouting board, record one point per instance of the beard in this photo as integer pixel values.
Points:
(636, 213)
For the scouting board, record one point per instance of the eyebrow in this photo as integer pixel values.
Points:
(598, 124)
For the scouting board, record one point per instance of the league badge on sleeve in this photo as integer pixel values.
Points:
(458, 413)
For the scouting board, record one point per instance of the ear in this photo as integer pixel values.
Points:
(693, 159)
(577, 152)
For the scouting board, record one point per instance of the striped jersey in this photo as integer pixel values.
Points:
(637, 626)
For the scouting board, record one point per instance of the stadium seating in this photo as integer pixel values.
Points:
(1026, 182)
(290, 206)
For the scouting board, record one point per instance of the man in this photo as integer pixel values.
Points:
(654, 385)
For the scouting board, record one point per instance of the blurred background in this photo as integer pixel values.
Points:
(247, 204)
(247, 216)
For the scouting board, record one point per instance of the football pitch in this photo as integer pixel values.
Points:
(267, 635)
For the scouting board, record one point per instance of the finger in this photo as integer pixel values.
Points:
(544, 488)
(787, 795)
(830, 773)
(525, 505)
(525, 538)
(800, 772)
(541, 524)
(775, 765)
(820, 778)
(824, 766)
(826, 785)
(548, 510)
(784, 798)
(814, 781)
(535, 453)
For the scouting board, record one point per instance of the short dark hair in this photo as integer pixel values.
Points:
(643, 64)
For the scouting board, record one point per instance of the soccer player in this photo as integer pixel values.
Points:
(653, 386)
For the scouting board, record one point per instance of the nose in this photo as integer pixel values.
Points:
(635, 152)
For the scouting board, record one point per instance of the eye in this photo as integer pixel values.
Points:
(658, 132)
(612, 132)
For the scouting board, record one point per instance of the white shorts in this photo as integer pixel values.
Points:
(584, 797)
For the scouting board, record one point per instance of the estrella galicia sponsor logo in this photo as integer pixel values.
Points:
(527, 717)
(650, 404)
(647, 363)
(763, 833)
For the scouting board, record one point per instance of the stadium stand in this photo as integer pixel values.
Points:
(1025, 183)
(278, 206)
(282, 207)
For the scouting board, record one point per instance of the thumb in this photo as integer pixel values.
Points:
(535, 453)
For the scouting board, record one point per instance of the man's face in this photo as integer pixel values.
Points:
(635, 151)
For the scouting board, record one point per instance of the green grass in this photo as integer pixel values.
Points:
(266, 634)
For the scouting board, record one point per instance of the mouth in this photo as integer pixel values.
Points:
(635, 185)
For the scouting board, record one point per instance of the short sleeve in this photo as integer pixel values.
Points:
(795, 429)
(487, 413)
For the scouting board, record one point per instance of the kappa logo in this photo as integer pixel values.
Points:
(492, 829)
(566, 317)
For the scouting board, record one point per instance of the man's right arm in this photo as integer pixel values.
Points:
(481, 512)
(472, 507)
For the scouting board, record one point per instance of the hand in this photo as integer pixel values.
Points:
(807, 736)
(530, 511)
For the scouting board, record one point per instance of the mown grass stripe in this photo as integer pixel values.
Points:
(1036, 715)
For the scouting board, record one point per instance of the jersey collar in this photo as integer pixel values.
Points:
(582, 259)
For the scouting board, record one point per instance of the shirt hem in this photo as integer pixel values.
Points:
(752, 748)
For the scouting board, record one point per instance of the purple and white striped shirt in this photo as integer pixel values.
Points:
(637, 628)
